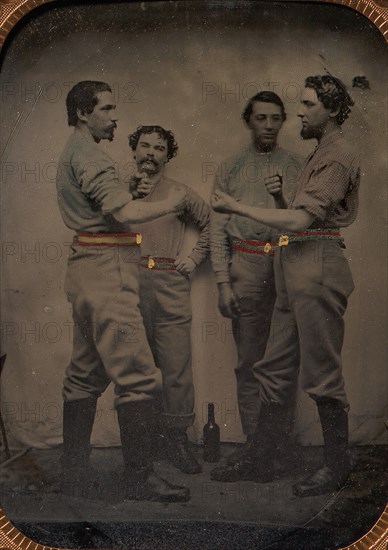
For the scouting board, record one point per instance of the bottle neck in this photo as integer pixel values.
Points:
(210, 415)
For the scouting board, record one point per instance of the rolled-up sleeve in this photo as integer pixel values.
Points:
(99, 182)
(219, 239)
(199, 212)
(326, 188)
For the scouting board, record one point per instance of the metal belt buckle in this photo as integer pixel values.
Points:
(138, 238)
(151, 263)
(267, 248)
(283, 240)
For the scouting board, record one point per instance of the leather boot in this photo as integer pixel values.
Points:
(284, 443)
(239, 453)
(136, 422)
(334, 422)
(257, 460)
(179, 453)
(77, 477)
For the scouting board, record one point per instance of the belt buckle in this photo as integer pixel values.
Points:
(283, 240)
(267, 248)
(151, 263)
(138, 238)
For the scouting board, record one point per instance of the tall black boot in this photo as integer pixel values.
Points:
(257, 462)
(179, 453)
(78, 419)
(334, 422)
(137, 421)
(284, 443)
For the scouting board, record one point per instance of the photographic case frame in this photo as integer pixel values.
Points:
(12, 15)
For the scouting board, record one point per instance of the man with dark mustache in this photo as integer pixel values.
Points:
(313, 283)
(165, 286)
(109, 340)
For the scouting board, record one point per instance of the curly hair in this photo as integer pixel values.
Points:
(172, 146)
(332, 93)
(83, 96)
(265, 97)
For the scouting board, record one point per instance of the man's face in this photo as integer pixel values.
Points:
(313, 114)
(265, 122)
(151, 153)
(102, 120)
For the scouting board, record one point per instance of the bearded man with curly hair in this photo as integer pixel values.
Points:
(165, 286)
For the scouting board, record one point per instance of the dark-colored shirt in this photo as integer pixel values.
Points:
(329, 183)
(88, 188)
(164, 236)
(242, 177)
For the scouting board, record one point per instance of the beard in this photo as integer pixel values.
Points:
(149, 166)
(307, 133)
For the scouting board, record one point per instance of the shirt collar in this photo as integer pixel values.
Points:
(263, 153)
(330, 138)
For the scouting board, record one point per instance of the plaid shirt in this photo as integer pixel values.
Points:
(329, 183)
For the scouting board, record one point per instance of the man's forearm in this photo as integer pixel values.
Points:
(280, 201)
(139, 211)
(281, 219)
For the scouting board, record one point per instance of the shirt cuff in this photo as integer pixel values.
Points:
(197, 256)
(222, 277)
(115, 201)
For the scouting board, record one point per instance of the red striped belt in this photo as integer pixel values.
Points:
(310, 235)
(254, 247)
(263, 247)
(149, 262)
(84, 238)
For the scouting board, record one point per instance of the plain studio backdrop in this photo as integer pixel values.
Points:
(189, 67)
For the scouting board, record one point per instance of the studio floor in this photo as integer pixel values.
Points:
(218, 515)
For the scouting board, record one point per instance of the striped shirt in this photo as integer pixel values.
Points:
(329, 183)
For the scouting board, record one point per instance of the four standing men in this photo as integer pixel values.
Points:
(313, 282)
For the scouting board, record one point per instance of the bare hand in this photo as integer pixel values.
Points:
(177, 198)
(221, 202)
(227, 301)
(185, 266)
(143, 184)
(274, 184)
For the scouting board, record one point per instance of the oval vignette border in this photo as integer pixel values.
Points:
(11, 12)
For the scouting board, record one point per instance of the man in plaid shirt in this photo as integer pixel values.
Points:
(313, 283)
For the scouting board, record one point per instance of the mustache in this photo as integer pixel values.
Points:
(149, 160)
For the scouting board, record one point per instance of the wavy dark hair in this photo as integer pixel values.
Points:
(83, 96)
(265, 97)
(332, 93)
(172, 146)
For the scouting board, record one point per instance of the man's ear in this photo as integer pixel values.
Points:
(248, 124)
(81, 115)
(334, 112)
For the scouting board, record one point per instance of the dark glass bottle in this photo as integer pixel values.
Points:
(211, 437)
